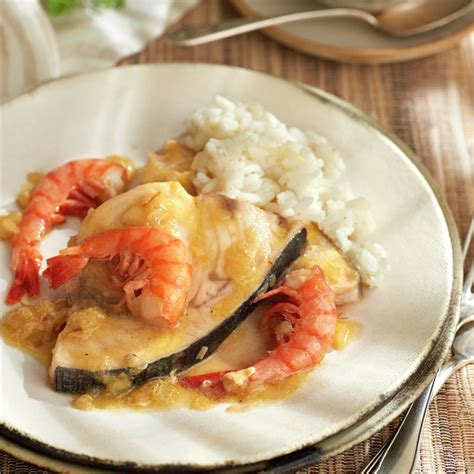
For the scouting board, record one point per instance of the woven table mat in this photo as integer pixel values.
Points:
(429, 104)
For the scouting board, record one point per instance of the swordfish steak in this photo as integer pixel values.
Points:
(238, 250)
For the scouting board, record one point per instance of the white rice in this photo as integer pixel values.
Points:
(246, 153)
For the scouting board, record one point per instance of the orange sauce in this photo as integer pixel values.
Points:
(172, 163)
(35, 328)
(346, 332)
(162, 394)
(243, 347)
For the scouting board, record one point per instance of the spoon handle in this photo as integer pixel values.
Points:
(193, 36)
(398, 454)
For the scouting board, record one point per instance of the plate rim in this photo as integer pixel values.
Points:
(356, 55)
(426, 364)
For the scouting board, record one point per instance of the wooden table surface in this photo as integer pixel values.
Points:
(429, 104)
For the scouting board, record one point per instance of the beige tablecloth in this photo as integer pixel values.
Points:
(428, 103)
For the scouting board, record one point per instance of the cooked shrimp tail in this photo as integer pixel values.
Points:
(71, 189)
(304, 328)
(27, 263)
(154, 269)
(64, 267)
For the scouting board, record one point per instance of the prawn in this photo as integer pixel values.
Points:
(304, 333)
(71, 189)
(154, 267)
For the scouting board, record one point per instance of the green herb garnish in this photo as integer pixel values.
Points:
(110, 3)
(60, 7)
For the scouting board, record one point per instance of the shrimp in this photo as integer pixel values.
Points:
(154, 267)
(71, 189)
(304, 335)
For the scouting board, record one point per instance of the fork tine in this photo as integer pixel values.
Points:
(467, 239)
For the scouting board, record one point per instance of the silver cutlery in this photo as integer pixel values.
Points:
(405, 19)
(399, 452)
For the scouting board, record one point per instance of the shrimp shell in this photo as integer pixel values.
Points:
(71, 189)
(151, 262)
(312, 313)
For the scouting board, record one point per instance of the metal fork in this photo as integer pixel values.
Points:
(399, 452)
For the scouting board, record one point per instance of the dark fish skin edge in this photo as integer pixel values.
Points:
(79, 380)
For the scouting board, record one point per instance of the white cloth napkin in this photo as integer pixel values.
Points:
(38, 48)
(91, 40)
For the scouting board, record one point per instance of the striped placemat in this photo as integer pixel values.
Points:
(429, 104)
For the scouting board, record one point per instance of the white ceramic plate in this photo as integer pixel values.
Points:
(135, 109)
(346, 39)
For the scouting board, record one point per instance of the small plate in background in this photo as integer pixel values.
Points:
(350, 40)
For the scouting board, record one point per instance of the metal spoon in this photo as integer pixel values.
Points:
(399, 452)
(406, 19)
